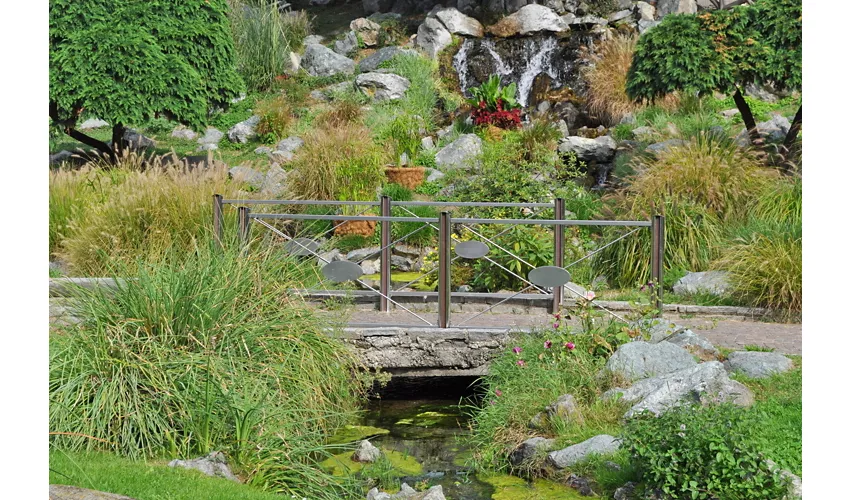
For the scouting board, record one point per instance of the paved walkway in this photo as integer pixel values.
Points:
(722, 332)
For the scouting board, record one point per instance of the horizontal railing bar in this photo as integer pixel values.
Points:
(553, 222)
(341, 217)
(469, 204)
(299, 202)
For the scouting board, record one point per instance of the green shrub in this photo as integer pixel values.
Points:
(425, 233)
(275, 119)
(428, 188)
(419, 100)
(351, 242)
(701, 453)
(532, 243)
(397, 192)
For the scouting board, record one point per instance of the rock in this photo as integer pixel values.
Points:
(374, 494)
(362, 253)
(774, 129)
(434, 493)
(460, 24)
(760, 93)
(639, 359)
(369, 267)
(381, 55)
(247, 175)
(366, 452)
(135, 140)
(428, 143)
(643, 132)
(463, 153)
(244, 131)
(644, 26)
(92, 123)
(60, 157)
(263, 150)
(367, 30)
(432, 37)
(207, 147)
(620, 15)
(401, 263)
(380, 17)
(530, 19)
(274, 184)
(711, 282)
(66, 492)
(757, 364)
(694, 344)
(329, 256)
(580, 484)
(319, 60)
(795, 484)
(278, 156)
(290, 144)
(665, 7)
(464, 289)
(347, 44)
(625, 492)
(372, 6)
(435, 175)
(574, 291)
(600, 150)
(565, 408)
(382, 86)
(530, 448)
(704, 383)
(587, 22)
(313, 40)
(599, 445)
(211, 136)
(729, 113)
(185, 133)
(661, 147)
(657, 329)
(644, 11)
(214, 465)
(294, 62)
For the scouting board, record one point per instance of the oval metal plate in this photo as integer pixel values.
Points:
(472, 249)
(342, 270)
(549, 276)
(301, 246)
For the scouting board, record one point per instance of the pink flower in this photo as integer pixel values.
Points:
(498, 393)
(547, 344)
(558, 316)
(517, 350)
(590, 295)
(570, 346)
(520, 363)
(556, 325)
(492, 402)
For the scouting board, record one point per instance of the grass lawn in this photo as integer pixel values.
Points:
(152, 480)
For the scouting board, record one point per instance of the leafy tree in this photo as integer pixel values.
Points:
(129, 61)
(723, 50)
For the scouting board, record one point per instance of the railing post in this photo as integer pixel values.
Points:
(444, 282)
(386, 253)
(558, 292)
(217, 218)
(244, 225)
(657, 261)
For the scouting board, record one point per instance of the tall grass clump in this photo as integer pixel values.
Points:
(263, 38)
(395, 122)
(606, 81)
(201, 354)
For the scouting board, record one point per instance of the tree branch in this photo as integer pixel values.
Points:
(747, 116)
(68, 128)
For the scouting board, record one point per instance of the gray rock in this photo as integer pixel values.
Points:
(587, 22)
(565, 408)
(136, 140)
(463, 153)
(661, 147)
(434, 493)
(290, 144)
(657, 329)
(244, 131)
(620, 15)
(432, 37)
(637, 360)
(247, 175)
(795, 484)
(761, 93)
(207, 147)
(530, 19)
(374, 494)
(92, 123)
(362, 253)
(366, 452)
(313, 40)
(530, 448)
(774, 129)
(758, 364)
(644, 11)
(401, 263)
(329, 256)
(380, 17)
(369, 267)
(729, 113)
(601, 150)
(214, 465)
(643, 132)
(380, 56)
(274, 183)
(382, 86)
(574, 291)
(704, 383)
(279, 156)
(67, 492)
(60, 157)
(694, 344)
(464, 289)
(263, 150)
(346, 45)
(211, 136)
(183, 132)
(435, 175)
(599, 445)
(665, 7)
(644, 26)
(460, 24)
(367, 30)
(626, 492)
(319, 60)
(711, 282)
(428, 143)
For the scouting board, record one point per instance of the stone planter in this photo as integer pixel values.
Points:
(362, 227)
(409, 177)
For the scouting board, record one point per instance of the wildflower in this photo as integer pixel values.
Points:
(558, 316)
(547, 344)
(520, 363)
(498, 393)
(492, 402)
(590, 295)
(517, 350)
(570, 346)
(556, 325)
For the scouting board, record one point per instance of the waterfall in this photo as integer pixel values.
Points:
(459, 62)
(539, 62)
(501, 68)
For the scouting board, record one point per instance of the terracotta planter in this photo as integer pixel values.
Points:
(409, 177)
(362, 227)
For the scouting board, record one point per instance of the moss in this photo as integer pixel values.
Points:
(513, 488)
(351, 433)
(426, 419)
(342, 464)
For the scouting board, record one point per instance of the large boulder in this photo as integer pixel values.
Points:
(274, 183)
(135, 140)
(183, 132)
(432, 37)
(463, 153)
(530, 448)
(758, 364)
(244, 131)
(600, 150)
(92, 123)
(290, 144)
(366, 452)
(319, 60)
(665, 7)
(711, 282)
(380, 56)
(346, 45)
(694, 344)
(530, 19)
(67, 492)
(210, 139)
(644, 11)
(367, 30)
(664, 146)
(774, 129)
(704, 383)
(214, 465)
(460, 24)
(247, 175)
(597, 445)
(637, 360)
(382, 86)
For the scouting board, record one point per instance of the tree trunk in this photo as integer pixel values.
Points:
(747, 116)
(118, 144)
(75, 134)
(791, 136)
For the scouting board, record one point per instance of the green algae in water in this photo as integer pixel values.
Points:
(514, 488)
(342, 464)
(351, 433)
(426, 419)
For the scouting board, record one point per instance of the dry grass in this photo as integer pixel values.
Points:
(341, 112)
(275, 117)
(606, 81)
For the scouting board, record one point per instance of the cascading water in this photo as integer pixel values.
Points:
(540, 61)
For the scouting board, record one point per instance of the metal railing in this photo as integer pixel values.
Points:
(445, 236)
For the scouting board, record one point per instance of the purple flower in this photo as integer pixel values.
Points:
(558, 316)
(520, 363)
(517, 350)
(570, 346)
(547, 344)
(556, 325)
(498, 393)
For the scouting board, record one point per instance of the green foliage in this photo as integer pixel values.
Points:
(127, 62)
(701, 453)
(491, 93)
(425, 233)
(428, 188)
(397, 192)
(351, 242)
(275, 119)
(532, 243)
